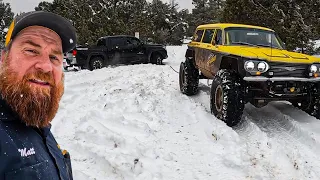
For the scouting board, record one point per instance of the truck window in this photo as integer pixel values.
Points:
(197, 36)
(208, 35)
(101, 42)
(117, 42)
(133, 41)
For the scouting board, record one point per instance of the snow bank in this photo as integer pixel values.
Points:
(132, 122)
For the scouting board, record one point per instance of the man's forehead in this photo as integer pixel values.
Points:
(40, 31)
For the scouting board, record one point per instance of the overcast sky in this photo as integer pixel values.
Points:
(29, 5)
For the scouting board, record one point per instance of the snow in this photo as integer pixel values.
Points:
(132, 122)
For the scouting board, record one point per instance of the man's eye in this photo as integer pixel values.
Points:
(54, 58)
(31, 51)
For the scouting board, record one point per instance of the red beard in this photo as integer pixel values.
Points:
(35, 105)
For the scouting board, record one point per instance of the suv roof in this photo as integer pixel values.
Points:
(115, 36)
(226, 25)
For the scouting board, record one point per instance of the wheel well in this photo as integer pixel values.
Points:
(96, 56)
(229, 63)
(189, 54)
(156, 53)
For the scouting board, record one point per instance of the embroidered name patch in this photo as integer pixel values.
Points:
(25, 153)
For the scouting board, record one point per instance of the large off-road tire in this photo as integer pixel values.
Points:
(96, 63)
(303, 105)
(188, 78)
(227, 97)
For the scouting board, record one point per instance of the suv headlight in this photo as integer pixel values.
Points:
(314, 68)
(256, 66)
(262, 66)
(249, 66)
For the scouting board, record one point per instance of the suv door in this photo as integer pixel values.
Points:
(212, 53)
(203, 52)
(196, 39)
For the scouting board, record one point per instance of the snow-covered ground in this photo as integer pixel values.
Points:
(132, 122)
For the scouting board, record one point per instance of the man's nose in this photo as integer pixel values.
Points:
(44, 64)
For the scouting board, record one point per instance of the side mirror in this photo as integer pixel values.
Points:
(284, 46)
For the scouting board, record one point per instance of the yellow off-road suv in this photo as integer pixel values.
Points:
(248, 64)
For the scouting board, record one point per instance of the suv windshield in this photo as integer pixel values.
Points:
(252, 37)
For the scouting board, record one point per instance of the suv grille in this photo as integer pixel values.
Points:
(288, 69)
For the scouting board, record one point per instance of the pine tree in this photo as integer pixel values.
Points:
(6, 18)
(205, 12)
(96, 18)
(44, 6)
(296, 22)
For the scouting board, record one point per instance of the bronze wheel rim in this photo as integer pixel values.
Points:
(219, 98)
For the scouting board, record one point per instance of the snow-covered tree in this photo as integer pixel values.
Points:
(296, 22)
(6, 18)
(205, 12)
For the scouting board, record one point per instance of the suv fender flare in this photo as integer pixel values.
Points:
(228, 61)
(190, 54)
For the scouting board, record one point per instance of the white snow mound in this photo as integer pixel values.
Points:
(132, 122)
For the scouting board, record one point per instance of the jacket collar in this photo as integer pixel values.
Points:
(6, 113)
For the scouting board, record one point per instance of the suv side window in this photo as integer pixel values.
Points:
(218, 37)
(208, 35)
(198, 35)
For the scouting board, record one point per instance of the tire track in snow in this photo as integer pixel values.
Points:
(269, 128)
(267, 131)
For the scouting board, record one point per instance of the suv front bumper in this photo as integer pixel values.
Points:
(263, 79)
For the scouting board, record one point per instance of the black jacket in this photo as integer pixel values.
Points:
(29, 153)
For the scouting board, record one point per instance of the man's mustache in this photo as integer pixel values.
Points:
(40, 77)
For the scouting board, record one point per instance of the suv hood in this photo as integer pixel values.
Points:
(269, 54)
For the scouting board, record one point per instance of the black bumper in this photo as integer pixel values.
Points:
(273, 79)
(280, 88)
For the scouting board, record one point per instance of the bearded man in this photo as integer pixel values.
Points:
(31, 86)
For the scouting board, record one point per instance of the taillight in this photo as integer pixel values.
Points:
(74, 52)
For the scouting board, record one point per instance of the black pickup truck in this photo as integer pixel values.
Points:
(122, 49)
